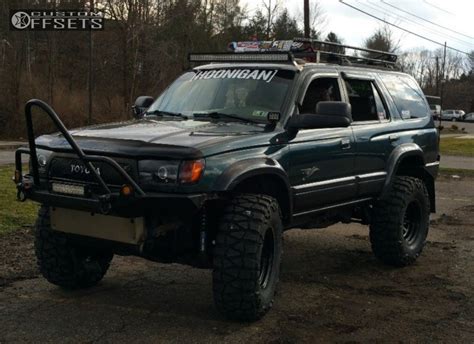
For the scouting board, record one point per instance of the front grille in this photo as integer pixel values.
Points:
(73, 169)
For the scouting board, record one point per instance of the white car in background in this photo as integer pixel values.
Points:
(468, 117)
(452, 115)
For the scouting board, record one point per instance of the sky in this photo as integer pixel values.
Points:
(354, 27)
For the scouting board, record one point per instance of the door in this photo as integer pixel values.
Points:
(372, 132)
(321, 160)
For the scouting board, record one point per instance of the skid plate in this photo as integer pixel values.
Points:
(121, 229)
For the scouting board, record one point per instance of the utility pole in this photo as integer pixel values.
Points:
(90, 80)
(437, 75)
(307, 30)
(443, 76)
(269, 18)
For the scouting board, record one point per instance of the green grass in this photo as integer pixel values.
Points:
(456, 171)
(13, 214)
(454, 146)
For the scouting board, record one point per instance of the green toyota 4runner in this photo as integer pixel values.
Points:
(230, 155)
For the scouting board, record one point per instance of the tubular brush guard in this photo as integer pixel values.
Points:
(24, 185)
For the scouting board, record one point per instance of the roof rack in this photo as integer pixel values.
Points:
(307, 49)
(331, 52)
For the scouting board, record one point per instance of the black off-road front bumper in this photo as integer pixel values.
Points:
(108, 200)
(164, 204)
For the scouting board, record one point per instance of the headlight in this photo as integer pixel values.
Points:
(158, 171)
(153, 172)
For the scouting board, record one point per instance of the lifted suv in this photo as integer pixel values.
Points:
(228, 157)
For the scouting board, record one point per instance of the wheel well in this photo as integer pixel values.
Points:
(271, 185)
(413, 166)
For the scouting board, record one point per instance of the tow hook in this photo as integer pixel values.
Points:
(105, 205)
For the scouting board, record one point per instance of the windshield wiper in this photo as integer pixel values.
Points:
(165, 113)
(217, 115)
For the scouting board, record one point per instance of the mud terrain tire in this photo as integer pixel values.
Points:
(247, 257)
(400, 222)
(64, 264)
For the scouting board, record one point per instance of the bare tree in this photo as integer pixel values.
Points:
(271, 9)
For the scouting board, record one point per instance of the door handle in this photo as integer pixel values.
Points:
(345, 143)
(393, 138)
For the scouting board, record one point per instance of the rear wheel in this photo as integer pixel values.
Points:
(247, 257)
(63, 263)
(400, 222)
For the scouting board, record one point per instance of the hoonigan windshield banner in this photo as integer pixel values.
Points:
(253, 74)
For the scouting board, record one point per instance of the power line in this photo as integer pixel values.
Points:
(411, 21)
(426, 20)
(401, 28)
(438, 8)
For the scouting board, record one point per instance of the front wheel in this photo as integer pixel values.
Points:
(247, 257)
(400, 222)
(63, 263)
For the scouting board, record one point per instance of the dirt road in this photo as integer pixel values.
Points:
(453, 161)
(332, 290)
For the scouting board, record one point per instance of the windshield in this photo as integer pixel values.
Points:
(235, 94)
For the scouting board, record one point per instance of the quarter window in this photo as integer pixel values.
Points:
(406, 95)
(365, 100)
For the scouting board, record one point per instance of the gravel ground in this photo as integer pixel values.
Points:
(332, 290)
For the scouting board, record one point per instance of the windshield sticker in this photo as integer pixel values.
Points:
(258, 113)
(271, 116)
(256, 74)
(405, 114)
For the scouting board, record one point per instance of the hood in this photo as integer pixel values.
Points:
(187, 138)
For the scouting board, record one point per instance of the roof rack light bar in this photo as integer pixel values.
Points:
(241, 57)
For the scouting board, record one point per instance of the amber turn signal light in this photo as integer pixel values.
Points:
(126, 190)
(191, 171)
(17, 177)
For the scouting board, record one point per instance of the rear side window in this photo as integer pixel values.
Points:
(407, 96)
(366, 102)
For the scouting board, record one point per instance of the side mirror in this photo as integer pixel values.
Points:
(328, 114)
(141, 104)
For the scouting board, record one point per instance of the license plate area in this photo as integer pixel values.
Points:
(68, 189)
(120, 229)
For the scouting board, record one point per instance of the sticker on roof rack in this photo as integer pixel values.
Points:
(254, 74)
(262, 46)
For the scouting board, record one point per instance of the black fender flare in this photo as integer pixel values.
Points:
(248, 168)
(398, 154)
